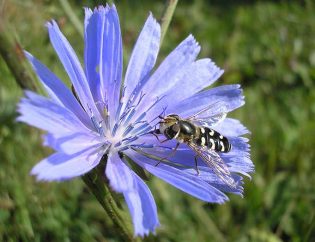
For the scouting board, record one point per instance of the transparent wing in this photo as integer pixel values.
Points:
(215, 162)
(210, 115)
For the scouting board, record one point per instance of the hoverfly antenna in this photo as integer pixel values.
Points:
(160, 116)
(163, 112)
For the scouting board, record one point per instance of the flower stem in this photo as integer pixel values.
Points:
(68, 10)
(167, 17)
(12, 53)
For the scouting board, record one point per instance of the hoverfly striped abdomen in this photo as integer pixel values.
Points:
(213, 140)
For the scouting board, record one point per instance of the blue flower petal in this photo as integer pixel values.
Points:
(168, 74)
(93, 39)
(138, 197)
(192, 79)
(142, 59)
(119, 174)
(180, 179)
(58, 90)
(103, 56)
(240, 147)
(174, 66)
(45, 114)
(71, 143)
(239, 157)
(230, 95)
(207, 175)
(73, 67)
(242, 165)
(61, 167)
(231, 127)
(142, 208)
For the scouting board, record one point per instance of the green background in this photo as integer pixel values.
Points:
(267, 46)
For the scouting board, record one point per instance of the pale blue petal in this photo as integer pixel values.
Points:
(142, 59)
(239, 157)
(87, 14)
(119, 174)
(71, 143)
(44, 114)
(138, 197)
(230, 95)
(242, 165)
(207, 175)
(61, 167)
(58, 90)
(142, 208)
(194, 78)
(238, 189)
(230, 127)
(103, 55)
(73, 67)
(240, 147)
(169, 73)
(174, 66)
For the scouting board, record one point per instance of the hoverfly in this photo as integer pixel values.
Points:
(195, 131)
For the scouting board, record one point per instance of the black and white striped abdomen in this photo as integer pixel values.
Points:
(213, 140)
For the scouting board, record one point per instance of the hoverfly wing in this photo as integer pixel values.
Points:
(214, 162)
(210, 115)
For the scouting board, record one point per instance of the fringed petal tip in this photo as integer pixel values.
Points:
(191, 41)
(51, 24)
(217, 71)
(222, 200)
(239, 91)
(143, 232)
(88, 12)
(100, 9)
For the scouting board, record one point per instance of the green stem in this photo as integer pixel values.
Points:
(12, 53)
(167, 17)
(68, 10)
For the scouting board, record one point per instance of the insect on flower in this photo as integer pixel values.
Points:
(204, 141)
(113, 116)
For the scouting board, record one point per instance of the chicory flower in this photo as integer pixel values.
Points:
(108, 116)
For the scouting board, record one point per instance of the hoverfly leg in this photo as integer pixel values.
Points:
(170, 155)
(155, 132)
(196, 165)
(156, 136)
(158, 162)
(164, 140)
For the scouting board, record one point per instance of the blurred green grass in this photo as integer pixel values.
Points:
(267, 46)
